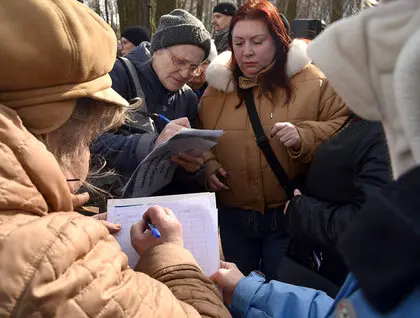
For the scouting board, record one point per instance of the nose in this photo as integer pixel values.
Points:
(248, 49)
(185, 74)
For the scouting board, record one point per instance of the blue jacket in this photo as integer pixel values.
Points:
(253, 298)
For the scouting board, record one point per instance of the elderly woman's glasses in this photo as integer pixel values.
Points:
(193, 70)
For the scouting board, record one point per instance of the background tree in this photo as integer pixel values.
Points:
(337, 10)
(134, 12)
(288, 8)
(163, 7)
(122, 13)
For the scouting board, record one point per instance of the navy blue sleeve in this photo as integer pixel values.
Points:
(123, 153)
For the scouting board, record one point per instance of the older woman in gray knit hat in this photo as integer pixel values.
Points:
(162, 67)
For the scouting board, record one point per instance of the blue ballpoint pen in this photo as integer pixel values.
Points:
(154, 229)
(162, 117)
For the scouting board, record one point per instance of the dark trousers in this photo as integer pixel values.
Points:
(252, 240)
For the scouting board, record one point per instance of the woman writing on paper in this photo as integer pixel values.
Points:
(55, 262)
(298, 109)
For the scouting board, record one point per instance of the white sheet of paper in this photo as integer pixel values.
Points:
(197, 214)
(157, 170)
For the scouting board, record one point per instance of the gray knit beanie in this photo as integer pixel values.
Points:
(180, 27)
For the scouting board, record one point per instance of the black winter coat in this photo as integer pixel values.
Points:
(348, 168)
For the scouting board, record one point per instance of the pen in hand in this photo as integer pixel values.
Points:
(153, 229)
(162, 117)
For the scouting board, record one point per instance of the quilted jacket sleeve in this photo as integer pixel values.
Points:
(80, 271)
(322, 222)
(331, 114)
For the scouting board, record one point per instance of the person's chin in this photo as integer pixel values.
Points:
(173, 85)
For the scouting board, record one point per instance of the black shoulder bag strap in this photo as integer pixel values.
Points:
(264, 145)
(133, 77)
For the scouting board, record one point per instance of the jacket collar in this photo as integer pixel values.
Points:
(373, 61)
(30, 177)
(219, 75)
(246, 82)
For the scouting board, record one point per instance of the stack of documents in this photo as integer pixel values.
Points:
(196, 212)
(157, 170)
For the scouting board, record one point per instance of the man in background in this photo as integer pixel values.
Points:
(221, 18)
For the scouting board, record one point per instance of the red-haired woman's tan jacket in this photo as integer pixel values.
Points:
(316, 110)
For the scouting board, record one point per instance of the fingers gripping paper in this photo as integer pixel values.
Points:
(197, 214)
(157, 170)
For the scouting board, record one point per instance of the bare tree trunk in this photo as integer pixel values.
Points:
(291, 10)
(208, 9)
(191, 7)
(106, 12)
(133, 12)
(337, 10)
(163, 7)
(200, 9)
(282, 5)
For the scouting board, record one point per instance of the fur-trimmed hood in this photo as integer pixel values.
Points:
(219, 75)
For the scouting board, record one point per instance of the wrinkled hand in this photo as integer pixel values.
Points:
(171, 129)
(227, 277)
(112, 227)
(188, 162)
(166, 222)
(296, 193)
(287, 134)
(214, 183)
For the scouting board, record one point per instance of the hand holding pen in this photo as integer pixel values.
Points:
(156, 221)
(157, 116)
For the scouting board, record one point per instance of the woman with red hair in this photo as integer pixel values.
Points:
(298, 110)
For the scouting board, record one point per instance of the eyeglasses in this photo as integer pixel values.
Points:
(182, 65)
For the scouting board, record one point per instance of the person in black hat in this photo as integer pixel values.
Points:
(163, 67)
(221, 18)
(132, 37)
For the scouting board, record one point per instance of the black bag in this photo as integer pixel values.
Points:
(290, 270)
(141, 122)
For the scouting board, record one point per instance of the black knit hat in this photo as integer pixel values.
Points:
(136, 34)
(226, 8)
(180, 27)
